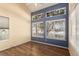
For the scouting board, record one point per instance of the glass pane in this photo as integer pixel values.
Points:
(49, 14)
(62, 11)
(56, 12)
(4, 34)
(59, 29)
(56, 29)
(39, 16)
(42, 15)
(50, 29)
(34, 18)
(34, 30)
(40, 29)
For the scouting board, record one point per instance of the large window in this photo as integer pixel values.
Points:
(56, 29)
(38, 29)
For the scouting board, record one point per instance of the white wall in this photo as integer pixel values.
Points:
(77, 28)
(72, 29)
(19, 23)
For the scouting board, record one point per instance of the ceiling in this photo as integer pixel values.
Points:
(37, 6)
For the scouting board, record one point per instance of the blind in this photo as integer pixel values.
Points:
(4, 22)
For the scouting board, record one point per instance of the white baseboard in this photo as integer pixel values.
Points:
(11, 46)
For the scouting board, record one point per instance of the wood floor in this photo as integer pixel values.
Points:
(35, 49)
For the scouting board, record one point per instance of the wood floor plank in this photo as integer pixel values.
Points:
(35, 49)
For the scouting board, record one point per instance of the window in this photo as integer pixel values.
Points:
(56, 29)
(38, 16)
(33, 29)
(56, 12)
(40, 29)
(34, 18)
(4, 28)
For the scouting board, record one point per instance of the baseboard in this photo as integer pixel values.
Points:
(49, 44)
(14, 46)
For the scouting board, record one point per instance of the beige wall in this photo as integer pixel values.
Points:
(72, 29)
(19, 23)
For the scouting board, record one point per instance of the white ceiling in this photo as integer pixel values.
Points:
(39, 6)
